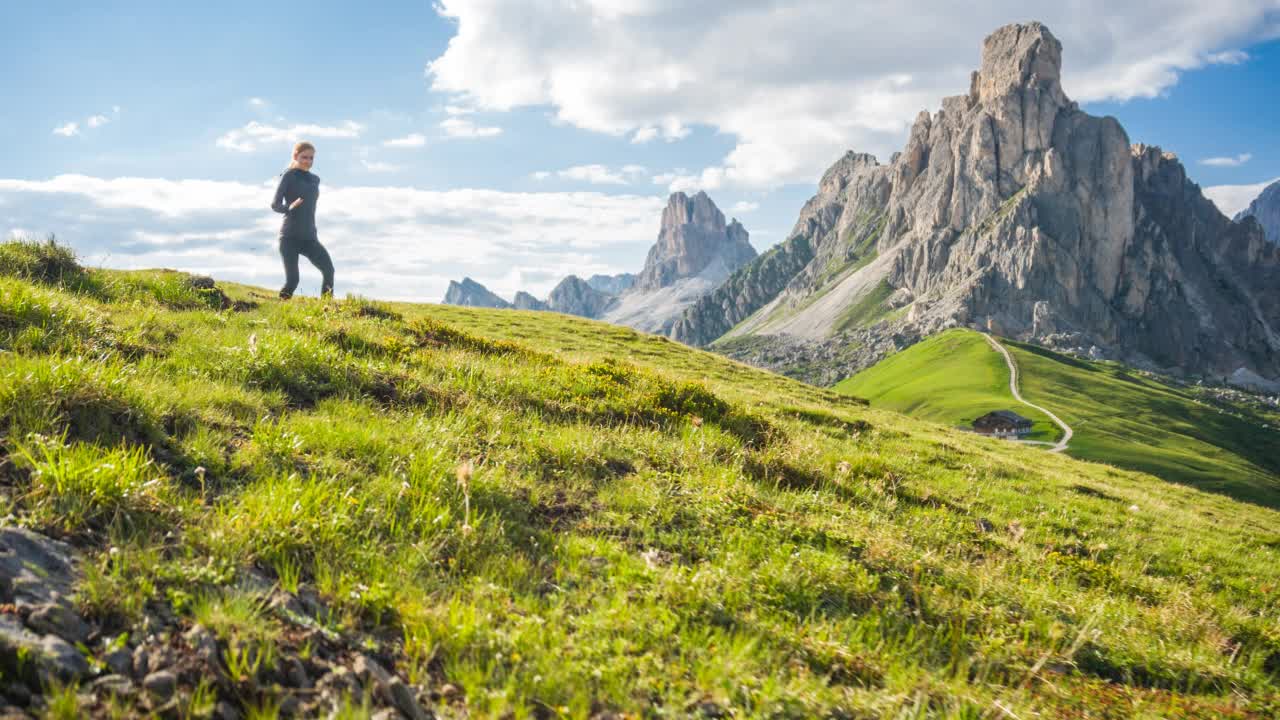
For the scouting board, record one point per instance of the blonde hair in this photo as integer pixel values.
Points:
(304, 145)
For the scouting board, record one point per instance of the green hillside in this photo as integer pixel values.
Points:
(528, 515)
(1119, 416)
(952, 378)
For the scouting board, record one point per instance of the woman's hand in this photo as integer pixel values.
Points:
(295, 203)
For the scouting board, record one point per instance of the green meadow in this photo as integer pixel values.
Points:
(1120, 416)
(564, 518)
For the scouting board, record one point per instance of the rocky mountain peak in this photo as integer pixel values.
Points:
(1012, 210)
(692, 238)
(1017, 57)
(472, 294)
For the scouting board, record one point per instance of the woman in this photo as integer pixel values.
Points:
(296, 198)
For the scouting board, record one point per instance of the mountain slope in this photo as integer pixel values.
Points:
(1120, 417)
(491, 508)
(1012, 210)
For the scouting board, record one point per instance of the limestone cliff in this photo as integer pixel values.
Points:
(1010, 209)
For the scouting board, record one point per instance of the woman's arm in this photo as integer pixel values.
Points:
(277, 203)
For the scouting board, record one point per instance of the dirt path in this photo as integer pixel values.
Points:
(1013, 387)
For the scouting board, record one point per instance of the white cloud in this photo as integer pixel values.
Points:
(71, 128)
(1231, 199)
(459, 127)
(257, 102)
(796, 83)
(1228, 161)
(255, 135)
(411, 140)
(596, 174)
(744, 206)
(376, 166)
(97, 121)
(225, 229)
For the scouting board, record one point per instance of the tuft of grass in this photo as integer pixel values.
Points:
(39, 261)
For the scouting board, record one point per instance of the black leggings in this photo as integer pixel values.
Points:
(310, 248)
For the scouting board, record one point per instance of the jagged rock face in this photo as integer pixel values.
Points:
(472, 294)
(574, 296)
(525, 301)
(748, 289)
(693, 236)
(612, 284)
(1010, 209)
(1266, 210)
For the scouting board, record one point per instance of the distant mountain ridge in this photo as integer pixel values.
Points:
(1266, 210)
(1011, 210)
(695, 252)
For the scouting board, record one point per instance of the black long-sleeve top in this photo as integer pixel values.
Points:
(296, 183)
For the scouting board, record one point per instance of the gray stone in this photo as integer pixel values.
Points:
(161, 684)
(141, 662)
(60, 620)
(296, 674)
(402, 697)
(119, 661)
(113, 685)
(34, 570)
(226, 711)
(39, 658)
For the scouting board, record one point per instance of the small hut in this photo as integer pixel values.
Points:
(1002, 424)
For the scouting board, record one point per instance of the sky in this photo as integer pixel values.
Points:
(518, 141)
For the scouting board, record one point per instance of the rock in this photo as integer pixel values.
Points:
(386, 714)
(450, 692)
(112, 685)
(60, 620)
(290, 706)
(16, 693)
(34, 570)
(205, 646)
(225, 711)
(141, 662)
(161, 684)
(573, 296)
(696, 252)
(693, 236)
(525, 301)
(984, 525)
(340, 683)
(119, 661)
(40, 659)
(1009, 208)
(472, 294)
(389, 688)
(296, 674)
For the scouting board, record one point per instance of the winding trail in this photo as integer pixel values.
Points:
(1067, 432)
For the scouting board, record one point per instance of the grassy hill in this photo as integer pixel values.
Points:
(953, 378)
(1119, 416)
(532, 515)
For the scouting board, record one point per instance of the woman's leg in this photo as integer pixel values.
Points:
(289, 253)
(319, 257)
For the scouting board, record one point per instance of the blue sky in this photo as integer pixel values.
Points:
(545, 137)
